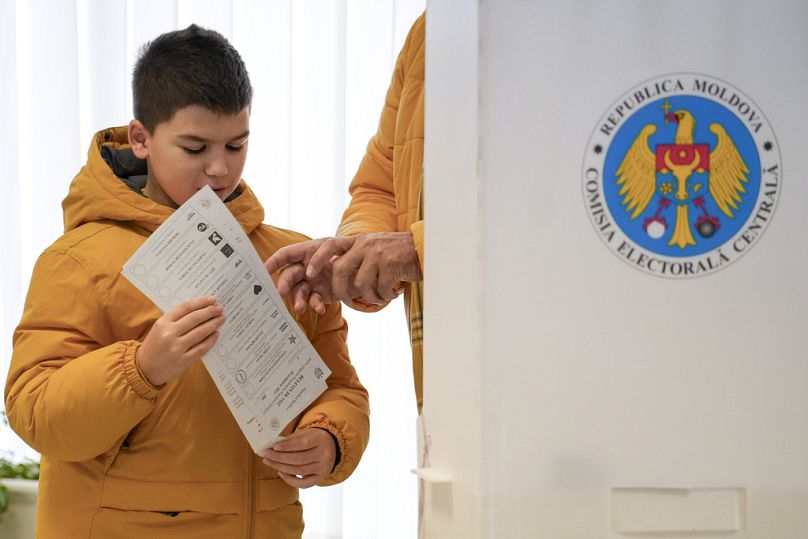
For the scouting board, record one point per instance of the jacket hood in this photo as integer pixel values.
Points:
(102, 190)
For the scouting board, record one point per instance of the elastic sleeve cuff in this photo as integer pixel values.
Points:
(338, 453)
(133, 375)
(338, 438)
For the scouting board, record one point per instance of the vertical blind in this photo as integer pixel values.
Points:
(319, 69)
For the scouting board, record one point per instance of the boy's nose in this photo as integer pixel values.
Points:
(216, 168)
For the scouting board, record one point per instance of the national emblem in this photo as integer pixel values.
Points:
(637, 176)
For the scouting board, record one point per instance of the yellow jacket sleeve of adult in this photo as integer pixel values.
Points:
(374, 189)
(386, 190)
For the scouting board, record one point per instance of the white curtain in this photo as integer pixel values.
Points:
(320, 69)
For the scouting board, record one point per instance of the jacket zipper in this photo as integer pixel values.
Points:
(250, 505)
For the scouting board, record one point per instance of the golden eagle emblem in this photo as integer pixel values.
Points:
(637, 178)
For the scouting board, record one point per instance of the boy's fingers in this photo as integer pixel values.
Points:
(304, 467)
(204, 347)
(190, 306)
(291, 458)
(194, 319)
(301, 440)
(298, 455)
(316, 303)
(290, 254)
(300, 471)
(293, 254)
(202, 332)
(299, 482)
(289, 277)
(301, 293)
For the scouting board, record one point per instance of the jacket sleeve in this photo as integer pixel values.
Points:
(417, 229)
(343, 409)
(67, 395)
(373, 202)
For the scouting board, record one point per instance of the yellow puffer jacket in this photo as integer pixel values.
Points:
(121, 458)
(386, 193)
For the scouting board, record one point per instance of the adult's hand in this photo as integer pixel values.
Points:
(367, 266)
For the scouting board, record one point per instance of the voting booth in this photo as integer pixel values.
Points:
(616, 306)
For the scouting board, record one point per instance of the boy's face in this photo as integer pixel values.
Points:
(195, 148)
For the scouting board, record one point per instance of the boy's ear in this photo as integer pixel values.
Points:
(138, 139)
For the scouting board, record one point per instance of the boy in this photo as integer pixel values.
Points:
(135, 439)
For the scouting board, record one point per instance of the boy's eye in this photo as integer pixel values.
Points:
(235, 148)
(194, 151)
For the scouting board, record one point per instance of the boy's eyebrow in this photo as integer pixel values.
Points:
(197, 138)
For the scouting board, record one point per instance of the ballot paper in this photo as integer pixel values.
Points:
(264, 366)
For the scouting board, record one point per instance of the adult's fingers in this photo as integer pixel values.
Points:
(327, 251)
(387, 284)
(343, 274)
(366, 282)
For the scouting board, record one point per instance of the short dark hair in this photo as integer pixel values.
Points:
(194, 66)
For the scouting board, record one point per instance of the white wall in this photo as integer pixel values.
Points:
(556, 371)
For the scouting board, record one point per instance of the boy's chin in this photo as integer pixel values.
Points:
(221, 193)
(224, 193)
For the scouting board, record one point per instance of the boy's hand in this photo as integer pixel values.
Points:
(179, 338)
(303, 459)
(305, 293)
